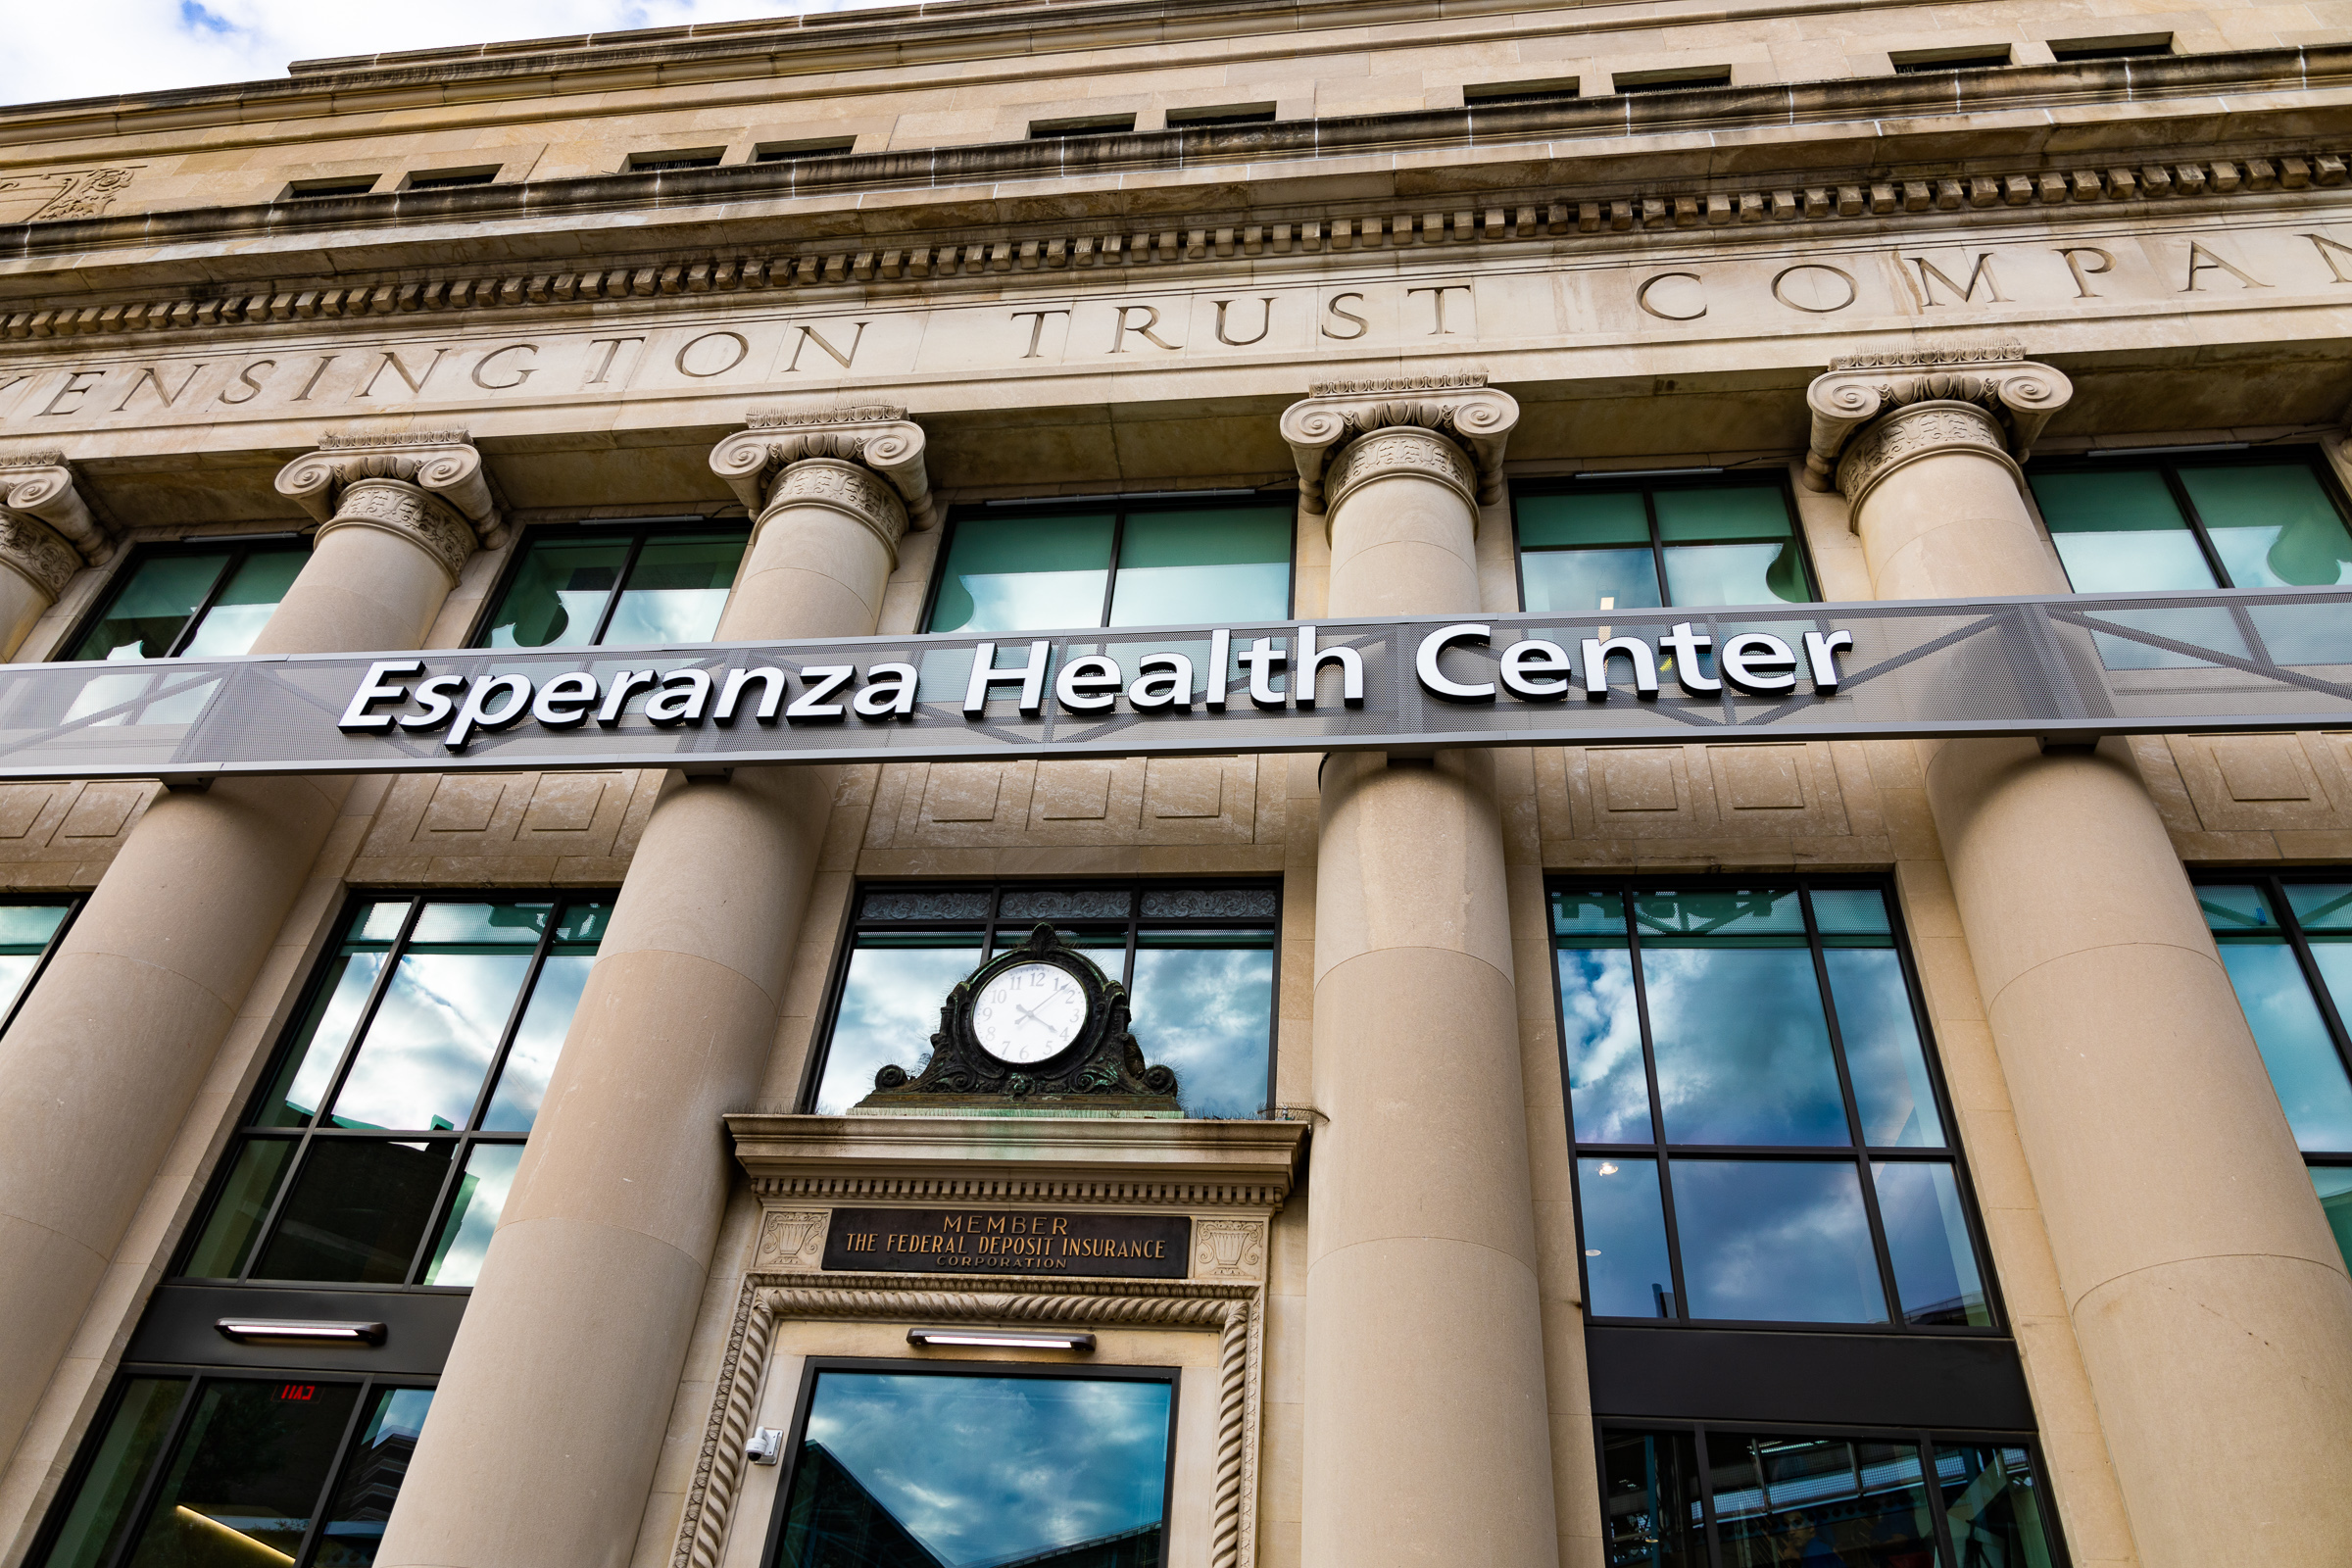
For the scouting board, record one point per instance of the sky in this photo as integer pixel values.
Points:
(89, 48)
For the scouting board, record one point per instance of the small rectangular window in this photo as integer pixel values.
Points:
(287, 1468)
(303, 190)
(1037, 568)
(2121, 524)
(192, 601)
(903, 1463)
(380, 1147)
(617, 584)
(2138, 47)
(1597, 543)
(662, 162)
(30, 929)
(792, 152)
(1673, 80)
(1229, 114)
(2287, 942)
(1504, 94)
(1198, 963)
(1918, 61)
(1749, 1063)
(1082, 125)
(450, 180)
(1767, 1498)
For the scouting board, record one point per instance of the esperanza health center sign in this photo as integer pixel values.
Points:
(2069, 668)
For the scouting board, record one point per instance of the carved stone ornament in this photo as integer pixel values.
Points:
(791, 1239)
(1088, 1061)
(881, 441)
(1399, 449)
(841, 486)
(1918, 430)
(1229, 1249)
(47, 532)
(351, 480)
(1469, 414)
(2018, 395)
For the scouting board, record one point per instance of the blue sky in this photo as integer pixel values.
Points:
(93, 47)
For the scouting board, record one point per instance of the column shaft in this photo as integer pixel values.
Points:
(2210, 1302)
(600, 1258)
(101, 1064)
(1427, 1437)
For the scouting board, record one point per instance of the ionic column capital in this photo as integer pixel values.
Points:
(2015, 396)
(47, 532)
(866, 462)
(1462, 411)
(427, 486)
(1399, 449)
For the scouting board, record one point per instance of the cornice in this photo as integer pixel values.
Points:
(1181, 246)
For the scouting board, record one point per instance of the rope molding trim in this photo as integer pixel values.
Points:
(767, 1300)
(1199, 242)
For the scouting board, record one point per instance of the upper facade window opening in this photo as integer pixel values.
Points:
(660, 162)
(618, 584)
(1227, 114)
(1083, 125)
(347, 185)
(1669, 81)
(1047, 567)
(1911, 62)
(193, 601)
(448, 179)
(2223, 519)
(1506, 94)
(1597, 543)
(2068, 50)
(792, 152)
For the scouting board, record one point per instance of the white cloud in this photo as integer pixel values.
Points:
(89, 48)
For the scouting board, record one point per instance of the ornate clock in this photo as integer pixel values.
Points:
(1040, 1027)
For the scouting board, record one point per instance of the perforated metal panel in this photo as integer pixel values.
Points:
(2078, 666)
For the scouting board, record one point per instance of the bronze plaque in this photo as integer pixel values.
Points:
(991, 1241)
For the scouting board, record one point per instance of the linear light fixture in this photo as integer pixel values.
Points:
(299, 1331)
(1002, 1340)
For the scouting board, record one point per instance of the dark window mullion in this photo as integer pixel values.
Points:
(190, 627)
(150, 1490)
(444, 1203)
(2196, 521)
(262, 1231)
(1947, 1552)
(620, 583)
(1657, 544)
(337, 1462)
(2274, 889)
(1657, 1116)
(1704, 1480)
(40, 965)
(514, 1013)
(1111, 578)
(1853, 1116)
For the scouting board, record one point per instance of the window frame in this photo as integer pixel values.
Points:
(240, 547)
(2120, 460)
(795, 1434)
(2273, 884)
(1597, 481)
(197, 1374)
(1927, 1438)
(1121, 508)
(1863, 1154)
(464, 1141)
(642, 532)
(72, 902)
(844, 945)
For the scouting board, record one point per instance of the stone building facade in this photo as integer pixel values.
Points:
(746, 332)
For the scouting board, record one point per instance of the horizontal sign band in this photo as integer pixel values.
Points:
(2073, 666)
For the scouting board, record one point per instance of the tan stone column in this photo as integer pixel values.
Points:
(103, 1061)
(2211, 1304)
(46, 535)
(1427, 1440)
(553, 1406)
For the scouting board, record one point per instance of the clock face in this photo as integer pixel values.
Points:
(1029, 1012)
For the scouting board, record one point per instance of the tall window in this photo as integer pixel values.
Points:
(1198, 963)
(2223, 521)
(900, 1465)
(380, 1149)
(30, 929)
(2287, 945)
(618, 584)
(1710, 1498)
(1596, 544)
(1759, 1134)
(298, 1470)
(194, 601)
(1162, 564)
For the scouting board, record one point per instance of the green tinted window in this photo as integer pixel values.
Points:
(1020, 571)
(618, 586)
(2272, 524)
(1587, 552)
(193, 601)
(2141, 528)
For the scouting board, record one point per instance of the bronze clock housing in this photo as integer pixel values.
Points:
(1101, 1072)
